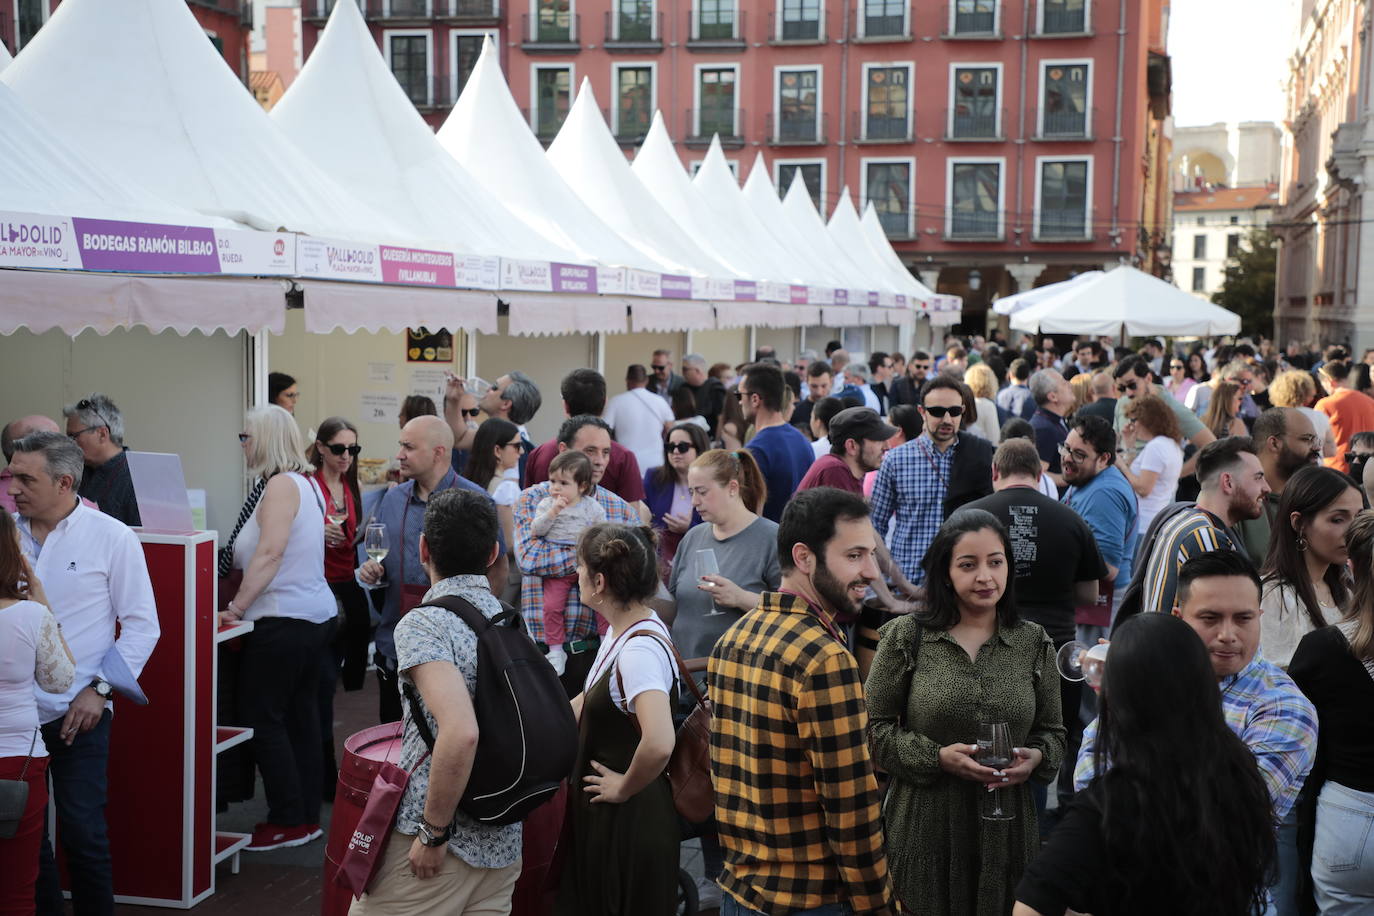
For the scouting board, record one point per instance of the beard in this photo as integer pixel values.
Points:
(1290, 462)
(834, 592)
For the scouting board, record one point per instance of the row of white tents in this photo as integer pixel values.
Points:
(123, 112)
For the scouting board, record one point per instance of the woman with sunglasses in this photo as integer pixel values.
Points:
(665, 490)
(494, 464)
(1179, 382)
(334, 453)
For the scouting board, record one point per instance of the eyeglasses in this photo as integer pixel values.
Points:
(1080, 456)
(516, 444)
(658, 368)
(1175, 365)
(337, 449)
(244, 437)
(938, 412)
(470, 413)
(1128, 388)
(681, 448)
(741, 394)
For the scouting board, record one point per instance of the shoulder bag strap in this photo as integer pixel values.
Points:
(33, 742)
(477, 622)
(683, 674)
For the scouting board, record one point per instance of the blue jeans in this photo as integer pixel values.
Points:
(1343, 851)
(1283, 893)
(78, 790)
(729, 906)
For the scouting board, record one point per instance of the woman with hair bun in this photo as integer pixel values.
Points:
(623, 859)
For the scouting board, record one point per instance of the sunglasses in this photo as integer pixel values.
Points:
(1176, 365)
(470, 413)
(1127, 389)
(681, 448)
(244, 437)
(938, 412)
(660, 368)
(336, 449)
(1357, 457)
(87, 404)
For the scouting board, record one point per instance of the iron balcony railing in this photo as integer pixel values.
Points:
(788, 130)
(700, 124)
(718, 28)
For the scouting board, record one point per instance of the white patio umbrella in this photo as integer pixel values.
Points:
(1125, 296)
(1010, 305)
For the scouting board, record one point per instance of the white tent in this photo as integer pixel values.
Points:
(763, 197)
(872, 231)
(488, 137)
(1125, 296)
(136, 86)
(349, 115)
(848, 233)
(5, 57)
(1010, 305)
(590, 161)
(801, 212)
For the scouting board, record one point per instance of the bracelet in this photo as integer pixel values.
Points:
(233, 610)
(433, 828)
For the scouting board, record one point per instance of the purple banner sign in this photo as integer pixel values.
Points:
(417, 267)
(677, 286)
(746, 291)
(841, 297)
(115, 245)
(800, 296)
(573, 278)
(873, 298)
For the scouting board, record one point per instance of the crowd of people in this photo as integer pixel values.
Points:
(881, 563)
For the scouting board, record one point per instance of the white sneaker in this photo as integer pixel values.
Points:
(708, 894)
(558, 658)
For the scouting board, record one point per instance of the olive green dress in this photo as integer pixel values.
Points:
(945, 859)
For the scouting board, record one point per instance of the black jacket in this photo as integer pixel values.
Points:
(971, 474)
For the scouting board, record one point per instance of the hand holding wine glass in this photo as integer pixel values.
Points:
(995, 752)
(706, 567)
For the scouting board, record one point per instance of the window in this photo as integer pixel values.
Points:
(466, 49)
(883, 18)
(975, 200)
(1065, 89)
(975, 103)
(1064, 17)
(409, 57)
(634, 87)
(553, 21)
(1199, 248)
(798, 101)
(801, 20)
(1063, 206)
(1232, 245)
(552, 99)
(887, 186)
(812, 175)
(1202, 220)
(716, 19)
(885, 103)
(1199, 279)
(31, 14)
(695, 166)
(975, 17)
(635, 21)
(408, 9)
(1235, 220)
(716, 95)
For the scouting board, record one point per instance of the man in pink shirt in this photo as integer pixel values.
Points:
(1350, 411)
(13, 432)
(858, 441)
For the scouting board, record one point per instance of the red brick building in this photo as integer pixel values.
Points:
(227, 24)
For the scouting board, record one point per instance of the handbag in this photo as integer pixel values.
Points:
(689, 766)
(14, 797)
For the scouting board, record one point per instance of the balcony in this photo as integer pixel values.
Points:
(631, 33)
(1064, 124)
(722, 32)
(879, 28)
(790, 131)
(1055, 19)
(897, 226)
(784, 31)
(969, 25)
(550, 35)
(702, 124)
(875, 129)
(974, 226)
(969, 127)
(1062, 226)
(469, 12)
(629, 131)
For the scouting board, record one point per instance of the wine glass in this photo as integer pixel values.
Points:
(707, 566)
(1079, 662)
(476, 385)
(994, 751)
(375, 543)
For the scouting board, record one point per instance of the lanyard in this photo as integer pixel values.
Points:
(611, 653)
(925, 450)
(824, 618)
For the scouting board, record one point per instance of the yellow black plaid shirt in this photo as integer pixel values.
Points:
(796, 799)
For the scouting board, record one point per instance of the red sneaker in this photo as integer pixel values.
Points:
(278, 836)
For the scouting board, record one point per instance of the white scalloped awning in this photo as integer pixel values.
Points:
(533, 314)
(671, 315)
(766, 315)
(73, 301)
(840, 316)
(371, 307)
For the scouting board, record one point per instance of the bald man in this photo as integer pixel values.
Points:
(13, 432)
(425, 447)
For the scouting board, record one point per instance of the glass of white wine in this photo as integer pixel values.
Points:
(707, 566)
(375, 542)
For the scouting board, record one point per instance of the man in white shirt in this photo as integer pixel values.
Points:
(93, 570)
(639, 418)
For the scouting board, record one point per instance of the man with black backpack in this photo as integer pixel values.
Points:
(458, 824)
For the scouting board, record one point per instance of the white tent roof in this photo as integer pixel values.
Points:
(801, 212)
(136, 86)
(1010, 305)
(1145, 304)
(349, 115)
(849, 234)
(590, 161)
(877, 240)
(57, 181)
(487, 135)
(5, 57)
(763, 198)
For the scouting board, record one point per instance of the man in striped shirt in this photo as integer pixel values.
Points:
(1233, 489)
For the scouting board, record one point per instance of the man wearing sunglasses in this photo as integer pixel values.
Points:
(1133, 380)
(907, 389)
(97, 427)
(922, 481)
(663, 381)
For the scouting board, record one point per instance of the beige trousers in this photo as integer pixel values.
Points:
(458, 890)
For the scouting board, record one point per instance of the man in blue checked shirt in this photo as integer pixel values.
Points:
(1219, 597)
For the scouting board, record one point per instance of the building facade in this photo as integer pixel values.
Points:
(227, 23)
(1210, 227)
(1004, 143)
(1323, 296)
(1247, 154)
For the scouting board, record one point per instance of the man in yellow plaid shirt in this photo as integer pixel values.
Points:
(796, 799)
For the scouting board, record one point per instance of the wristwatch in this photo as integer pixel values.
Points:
(102, 688)
(431, 836)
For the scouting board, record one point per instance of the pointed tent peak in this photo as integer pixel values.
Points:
(844, 213)
(584, 108)
(656, 158)
(759, 177)
(345, 11)
(714, 168)
(798, 189)
(584, 129)
(656, 140)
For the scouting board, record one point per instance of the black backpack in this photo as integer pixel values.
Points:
(527, 736)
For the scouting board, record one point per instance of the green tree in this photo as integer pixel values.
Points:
(1249, 287)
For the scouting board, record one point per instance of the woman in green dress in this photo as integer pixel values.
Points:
(967, 658)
